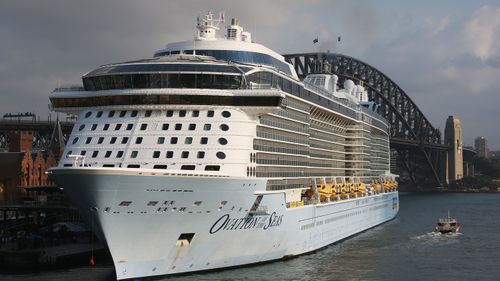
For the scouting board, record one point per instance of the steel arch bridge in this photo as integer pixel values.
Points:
(416, 141)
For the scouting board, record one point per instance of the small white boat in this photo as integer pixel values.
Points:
(447, 225)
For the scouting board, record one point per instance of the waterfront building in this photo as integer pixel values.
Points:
(481, 146)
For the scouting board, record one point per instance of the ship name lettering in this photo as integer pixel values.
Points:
(274, 220)
(227, 223)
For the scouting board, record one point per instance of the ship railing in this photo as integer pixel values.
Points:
(69, 89)
(78, 160)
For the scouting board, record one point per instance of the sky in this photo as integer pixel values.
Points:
(444, 54)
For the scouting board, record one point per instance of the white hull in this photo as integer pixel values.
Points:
(144, 240)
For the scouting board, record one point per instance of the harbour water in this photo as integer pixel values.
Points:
(402, 249)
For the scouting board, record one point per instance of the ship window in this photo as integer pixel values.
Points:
(178, 126)
(108, 153)
(192, 127)
(161, 140)
(122, 113)
(144, 126)
(182, 113)
(83, 152)
(108, 165)
(152, 203)
(133, 113)
(69, 153)
(210, 113)
(88, 140)
(222, 141)
(111, 113)
(133, 154)
(124, 140)
(125, 203)
(87, 115)
(81, 127)
(226, 114)
(147, 113)
(106, 127)
(224, 127)
(220, 155)
(173, 140)
(75, 140)
(138, 140)
(129, 127)
(189, 140)
(170, 154)
(133, 166)
(170, 113)
(165, 127)
(207, 127)
(164, 167)
(196, 113)
(212, 168)
(94, 126)
(100, 140)
(112, 140)
(187, 167)
(68, 165)
(204, 140)
(94, 154)
(99, 114)
(185, 154)
(156, 154)
(119, 154)
(118, 127)
(197, 203)
(201, 154)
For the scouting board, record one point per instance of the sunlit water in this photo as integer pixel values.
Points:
(402, 249)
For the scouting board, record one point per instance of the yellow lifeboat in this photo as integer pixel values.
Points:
(361, 189)
(354, 189)
(377, 186)
(324, 190)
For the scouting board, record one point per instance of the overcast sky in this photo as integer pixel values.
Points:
(444, 54)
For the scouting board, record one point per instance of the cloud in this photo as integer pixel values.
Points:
(482, 32)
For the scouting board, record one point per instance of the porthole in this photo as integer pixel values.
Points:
(112, 140)
(111, 114)
(81, 127)
(226, 114)
(144, 126)
(133, 113)
(75, 140)
(134, 154)
(221, 155)
(170, 113)
(207, 127)
(118, 127)
(161, 140)
(192, 127)
(224, 127)
(185, 154)
(108, 153)
(87, 115)
(170, 154)
(100, 140)
(173, 140)
(201, 154)
(147, 113)
(124, 140)
(222, 141)
(196, 113)
(204, 140)
(138, 140)
(88, 140)
(94, 126)
(119, 154)
(99, 114)
(178, 126)
(156, 154)
(94, 154)
(122, 113)
(106, 127)
(129, 127)
(182, 113)
(164, 127)
(210, 113)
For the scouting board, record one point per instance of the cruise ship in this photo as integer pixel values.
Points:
(214, 154)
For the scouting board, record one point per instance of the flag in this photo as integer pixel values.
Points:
(92, 261)
(315, 40)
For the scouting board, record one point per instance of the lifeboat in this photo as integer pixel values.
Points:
(361, 189)
(325, 191)
(377, 186)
